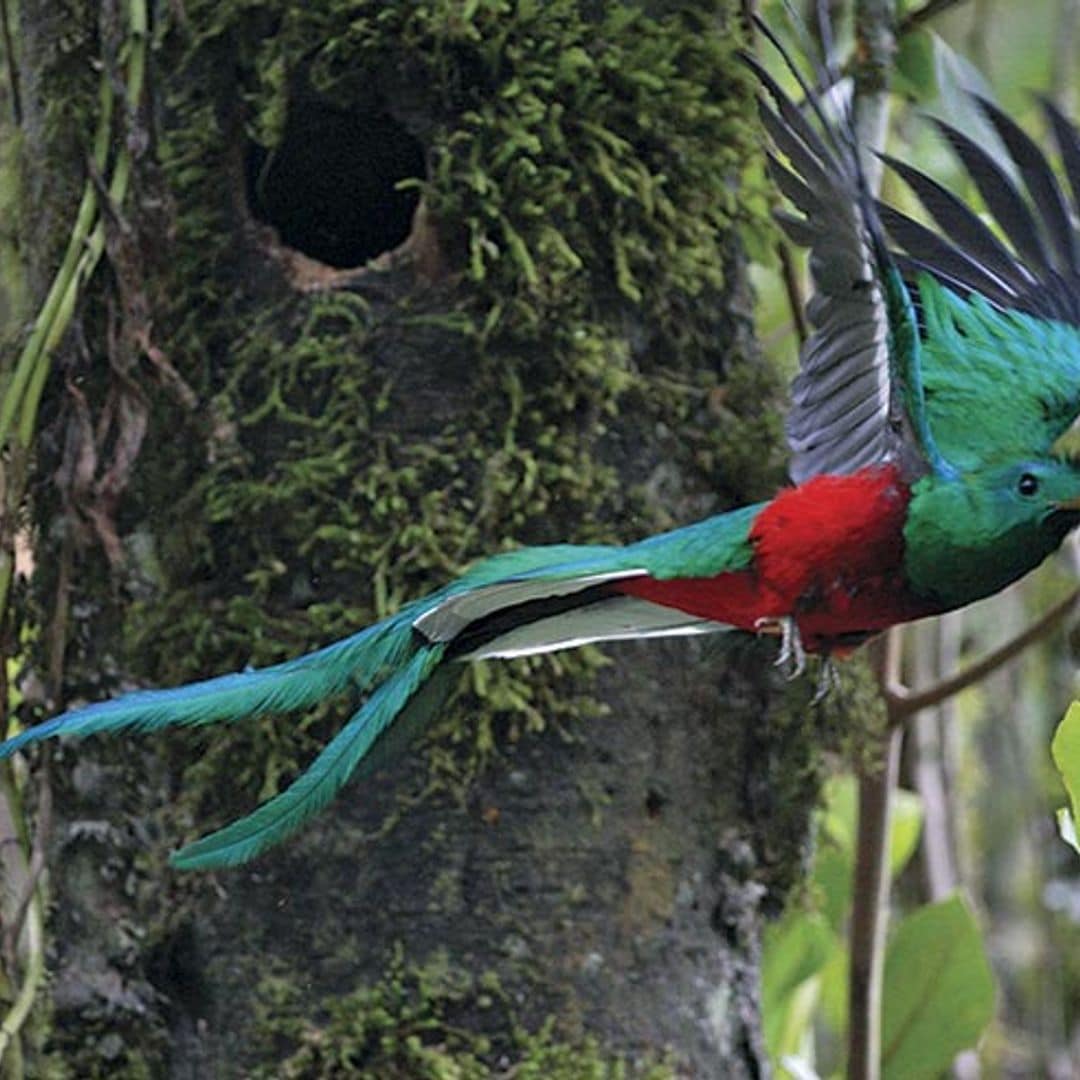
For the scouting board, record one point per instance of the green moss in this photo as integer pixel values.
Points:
(101, 1053)
(806, 738)
(544, 120)
(14, 301)
(585, 173)
(424, 1023)
(587, 168)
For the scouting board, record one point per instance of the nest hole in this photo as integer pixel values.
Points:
(330, 188)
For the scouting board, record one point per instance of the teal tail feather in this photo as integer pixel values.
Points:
(354, 663)
(285, 813)
(388, 655)
(388, 651)
(520, 603)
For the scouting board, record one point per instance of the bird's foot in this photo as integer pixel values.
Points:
(792, 654)
(828, 679)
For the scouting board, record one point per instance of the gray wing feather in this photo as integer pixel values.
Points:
(842, 397)
(849, 407)
(862, 445)
(854, 400)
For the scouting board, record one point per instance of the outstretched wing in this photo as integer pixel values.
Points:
(857, 399)
(1000, 308)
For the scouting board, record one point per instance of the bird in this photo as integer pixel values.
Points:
(940, 370)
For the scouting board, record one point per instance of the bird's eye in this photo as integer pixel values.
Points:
(1028, 484)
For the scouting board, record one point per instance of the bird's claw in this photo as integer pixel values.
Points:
(828, 680)
(792, 654)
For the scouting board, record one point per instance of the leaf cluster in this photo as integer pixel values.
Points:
(938, 991)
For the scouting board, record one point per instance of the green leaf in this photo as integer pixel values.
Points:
(833, 867)
(832, 876)
(795, 950)
(1065, 750)
(834, 979)
(938, 991)
(906, 826)
(1066, 824)
(1066, 753)
(916, 69)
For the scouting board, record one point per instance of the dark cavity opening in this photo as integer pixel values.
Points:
(654, 803)
(330, 188)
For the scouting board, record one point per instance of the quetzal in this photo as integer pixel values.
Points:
(930, 392)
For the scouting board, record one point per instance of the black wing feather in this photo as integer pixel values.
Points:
(950, 262)
(1001, 196)
(961, 225)
(1041, 183)
(1037, 270)
(1068, 142)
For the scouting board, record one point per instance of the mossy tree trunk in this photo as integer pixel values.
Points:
(249, 447)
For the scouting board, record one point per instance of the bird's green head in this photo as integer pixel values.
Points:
(970, 535)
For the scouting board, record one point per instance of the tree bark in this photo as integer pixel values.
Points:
(562, 358)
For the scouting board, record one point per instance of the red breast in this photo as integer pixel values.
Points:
(830, 552)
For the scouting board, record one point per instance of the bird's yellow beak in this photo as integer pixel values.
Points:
(1068, 504)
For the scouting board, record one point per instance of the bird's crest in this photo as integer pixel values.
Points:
(999, 307)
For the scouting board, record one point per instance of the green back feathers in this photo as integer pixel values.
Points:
(907, 370)
(550, 561)
(714, 546)
(998, 384)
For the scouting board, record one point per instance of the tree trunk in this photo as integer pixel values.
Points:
(350, 389)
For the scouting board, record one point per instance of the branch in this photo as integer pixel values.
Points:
(914, 19)
(870, 909)
(903, 703)
(35, 867)
(936, 648)
(24, 384)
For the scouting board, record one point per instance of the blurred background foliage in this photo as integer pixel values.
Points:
(975, 851)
